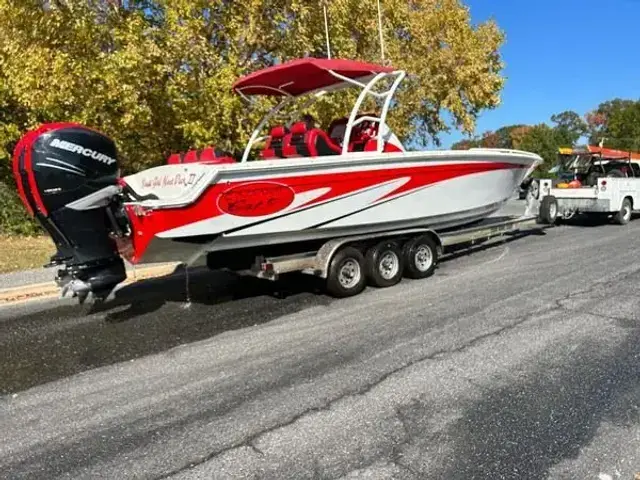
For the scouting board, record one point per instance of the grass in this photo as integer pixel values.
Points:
(23, 253)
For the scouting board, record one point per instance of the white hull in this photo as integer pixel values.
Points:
(344, 204)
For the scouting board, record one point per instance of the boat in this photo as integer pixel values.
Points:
(306, 184)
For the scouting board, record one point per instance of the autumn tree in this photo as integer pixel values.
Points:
(616, 123)
(505, 137)
(465, 144)
(156, 75)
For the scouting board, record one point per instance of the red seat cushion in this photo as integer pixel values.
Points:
(174, 158)
(273, 147)
(293, 139)
(318, 143)
(310, 143)
(190, 157)
(207, 155)
(213, 155)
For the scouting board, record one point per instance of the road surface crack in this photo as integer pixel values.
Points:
(250, 442)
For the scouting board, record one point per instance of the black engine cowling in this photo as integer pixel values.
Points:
(67, 177)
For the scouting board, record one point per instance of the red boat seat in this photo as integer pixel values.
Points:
(361, 135)
(208, 155)
(298, 131)
(174, 158)
(190, 157)
(304, 142)
(273, 147)
(213, 155)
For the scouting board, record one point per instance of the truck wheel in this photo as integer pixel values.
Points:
(384, 264)
(346, 273)
(548, 210)
(420, 257)
(624, 215)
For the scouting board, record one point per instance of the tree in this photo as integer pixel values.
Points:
(543, 140)
(465, 144)
(616, 121)
(569, 127)
(505, 137)
(156, 75)
(518, 134)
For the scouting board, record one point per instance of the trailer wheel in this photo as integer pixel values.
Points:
(346, 277)
(420, 257)
(548, 210)
(384, 264)
(624, 215)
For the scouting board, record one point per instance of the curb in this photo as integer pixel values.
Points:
(51, 289)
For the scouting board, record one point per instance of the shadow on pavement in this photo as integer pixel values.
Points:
(150, 317)
(592, 220)
(146, 318)
(200, 286)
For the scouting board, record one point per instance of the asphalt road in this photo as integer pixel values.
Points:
(520, 360)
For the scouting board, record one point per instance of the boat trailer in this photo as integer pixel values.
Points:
(348, 264)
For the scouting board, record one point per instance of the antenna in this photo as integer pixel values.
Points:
(326, 29)
(380, 31)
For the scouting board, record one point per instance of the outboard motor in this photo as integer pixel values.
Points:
(67, 177)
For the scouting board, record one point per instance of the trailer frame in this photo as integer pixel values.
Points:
(398, 243)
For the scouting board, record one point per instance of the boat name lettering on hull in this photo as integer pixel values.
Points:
(173, 180)
(255, 199)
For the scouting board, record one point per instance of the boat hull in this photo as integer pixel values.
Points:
(205, 208)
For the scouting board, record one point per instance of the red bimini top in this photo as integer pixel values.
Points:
(301, 76)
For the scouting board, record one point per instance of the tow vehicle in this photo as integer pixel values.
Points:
(597, 182)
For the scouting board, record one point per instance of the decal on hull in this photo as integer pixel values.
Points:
(255, 199)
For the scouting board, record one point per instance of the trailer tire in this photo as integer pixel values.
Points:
(420, 257)
(384, 264)
(623, 216)
(548, 213)
(346, 275)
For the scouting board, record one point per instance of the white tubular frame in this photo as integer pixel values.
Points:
(367, 89)
(254, 136)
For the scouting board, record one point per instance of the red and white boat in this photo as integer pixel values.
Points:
(307, 184)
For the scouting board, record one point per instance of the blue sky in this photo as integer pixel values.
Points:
(560, 55)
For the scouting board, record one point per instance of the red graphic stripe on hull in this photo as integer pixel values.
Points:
(145, 227)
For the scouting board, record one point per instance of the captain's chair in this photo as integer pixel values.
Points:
(305, 142)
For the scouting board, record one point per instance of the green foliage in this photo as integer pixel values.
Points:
(156, 75)
(616, 121)
(569, 127)
(545, 141)
(14, 219)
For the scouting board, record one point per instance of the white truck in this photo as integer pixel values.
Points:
(615, 196)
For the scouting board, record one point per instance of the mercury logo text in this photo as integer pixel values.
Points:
(87, 152)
